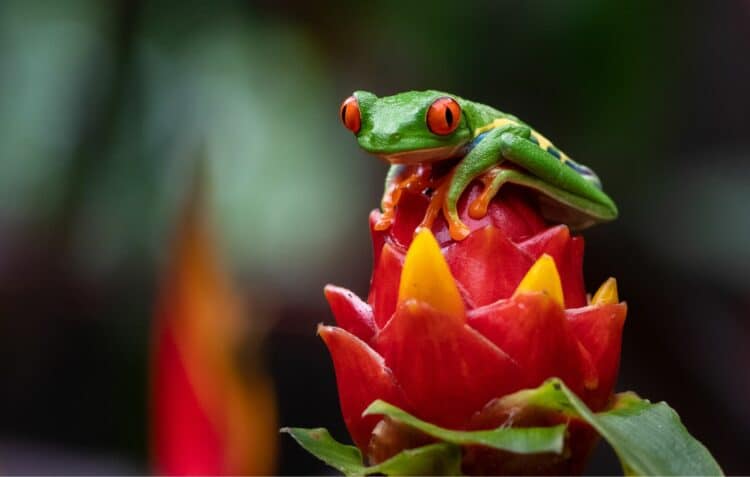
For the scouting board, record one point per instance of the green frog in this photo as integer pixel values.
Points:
(416, 129)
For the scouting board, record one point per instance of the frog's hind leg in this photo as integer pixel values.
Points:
(492, 180)
(548, 174)
(588, 212)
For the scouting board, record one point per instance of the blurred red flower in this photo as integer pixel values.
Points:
(449, 326)
(211, 412)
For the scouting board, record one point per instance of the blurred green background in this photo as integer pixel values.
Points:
(105, 106)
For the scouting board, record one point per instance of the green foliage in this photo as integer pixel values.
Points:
(648, 438)
(521, 440)
(434, 459)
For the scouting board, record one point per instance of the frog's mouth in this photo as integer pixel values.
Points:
(421, 156)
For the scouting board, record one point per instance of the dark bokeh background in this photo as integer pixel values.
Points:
(103, 105)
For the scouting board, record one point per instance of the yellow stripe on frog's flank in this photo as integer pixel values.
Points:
(497, 123)
(543, 142)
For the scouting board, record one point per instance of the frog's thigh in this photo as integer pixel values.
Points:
(520, 178)
(531, 157)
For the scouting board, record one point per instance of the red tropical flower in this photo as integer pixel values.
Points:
(450, 326)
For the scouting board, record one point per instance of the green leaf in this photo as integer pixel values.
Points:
(521, 440)
(648, 438)
(433, 459)
(318, 442)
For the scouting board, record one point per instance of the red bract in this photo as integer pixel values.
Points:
(209, 416)
(449, 326)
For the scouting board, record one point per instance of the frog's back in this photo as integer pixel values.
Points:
(481, 117)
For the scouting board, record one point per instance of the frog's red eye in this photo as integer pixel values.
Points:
(350, 116)
(443, 116)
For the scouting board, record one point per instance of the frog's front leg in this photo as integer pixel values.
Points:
(400, 178)
(391, 195)
(487, 153)
(396, 174)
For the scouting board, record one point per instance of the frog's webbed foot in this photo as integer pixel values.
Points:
(491, 185)
(457, 228)
(491, 181)
(412, 179)
(458, 181)
(388, 204)
(418, 179)
(437, 202)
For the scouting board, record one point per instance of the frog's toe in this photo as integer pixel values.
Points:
(478, 208)
(458, 230)
(384, 222)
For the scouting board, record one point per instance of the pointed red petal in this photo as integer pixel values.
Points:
(185, 440)
(512, 213)
(533, 330)
(384, 284)
(351, 313)
(568, 256)
(599, 329)
(487, 265)
(447, 369)
(572, 268)
(361, 377)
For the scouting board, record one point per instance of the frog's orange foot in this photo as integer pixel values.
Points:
(479, 206)
(385, 220)
(458, 229)
(388, 205)
(416, 179)
(435, 206)
(419, 181)
(439, 203)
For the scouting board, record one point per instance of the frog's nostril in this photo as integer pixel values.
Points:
(386, 138)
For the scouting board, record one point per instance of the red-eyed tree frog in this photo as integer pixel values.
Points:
(416, 129)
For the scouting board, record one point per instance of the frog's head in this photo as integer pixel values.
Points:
(408, 128)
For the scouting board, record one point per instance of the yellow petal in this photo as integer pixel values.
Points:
(543, 277)
(606, 294)
(427, 278)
